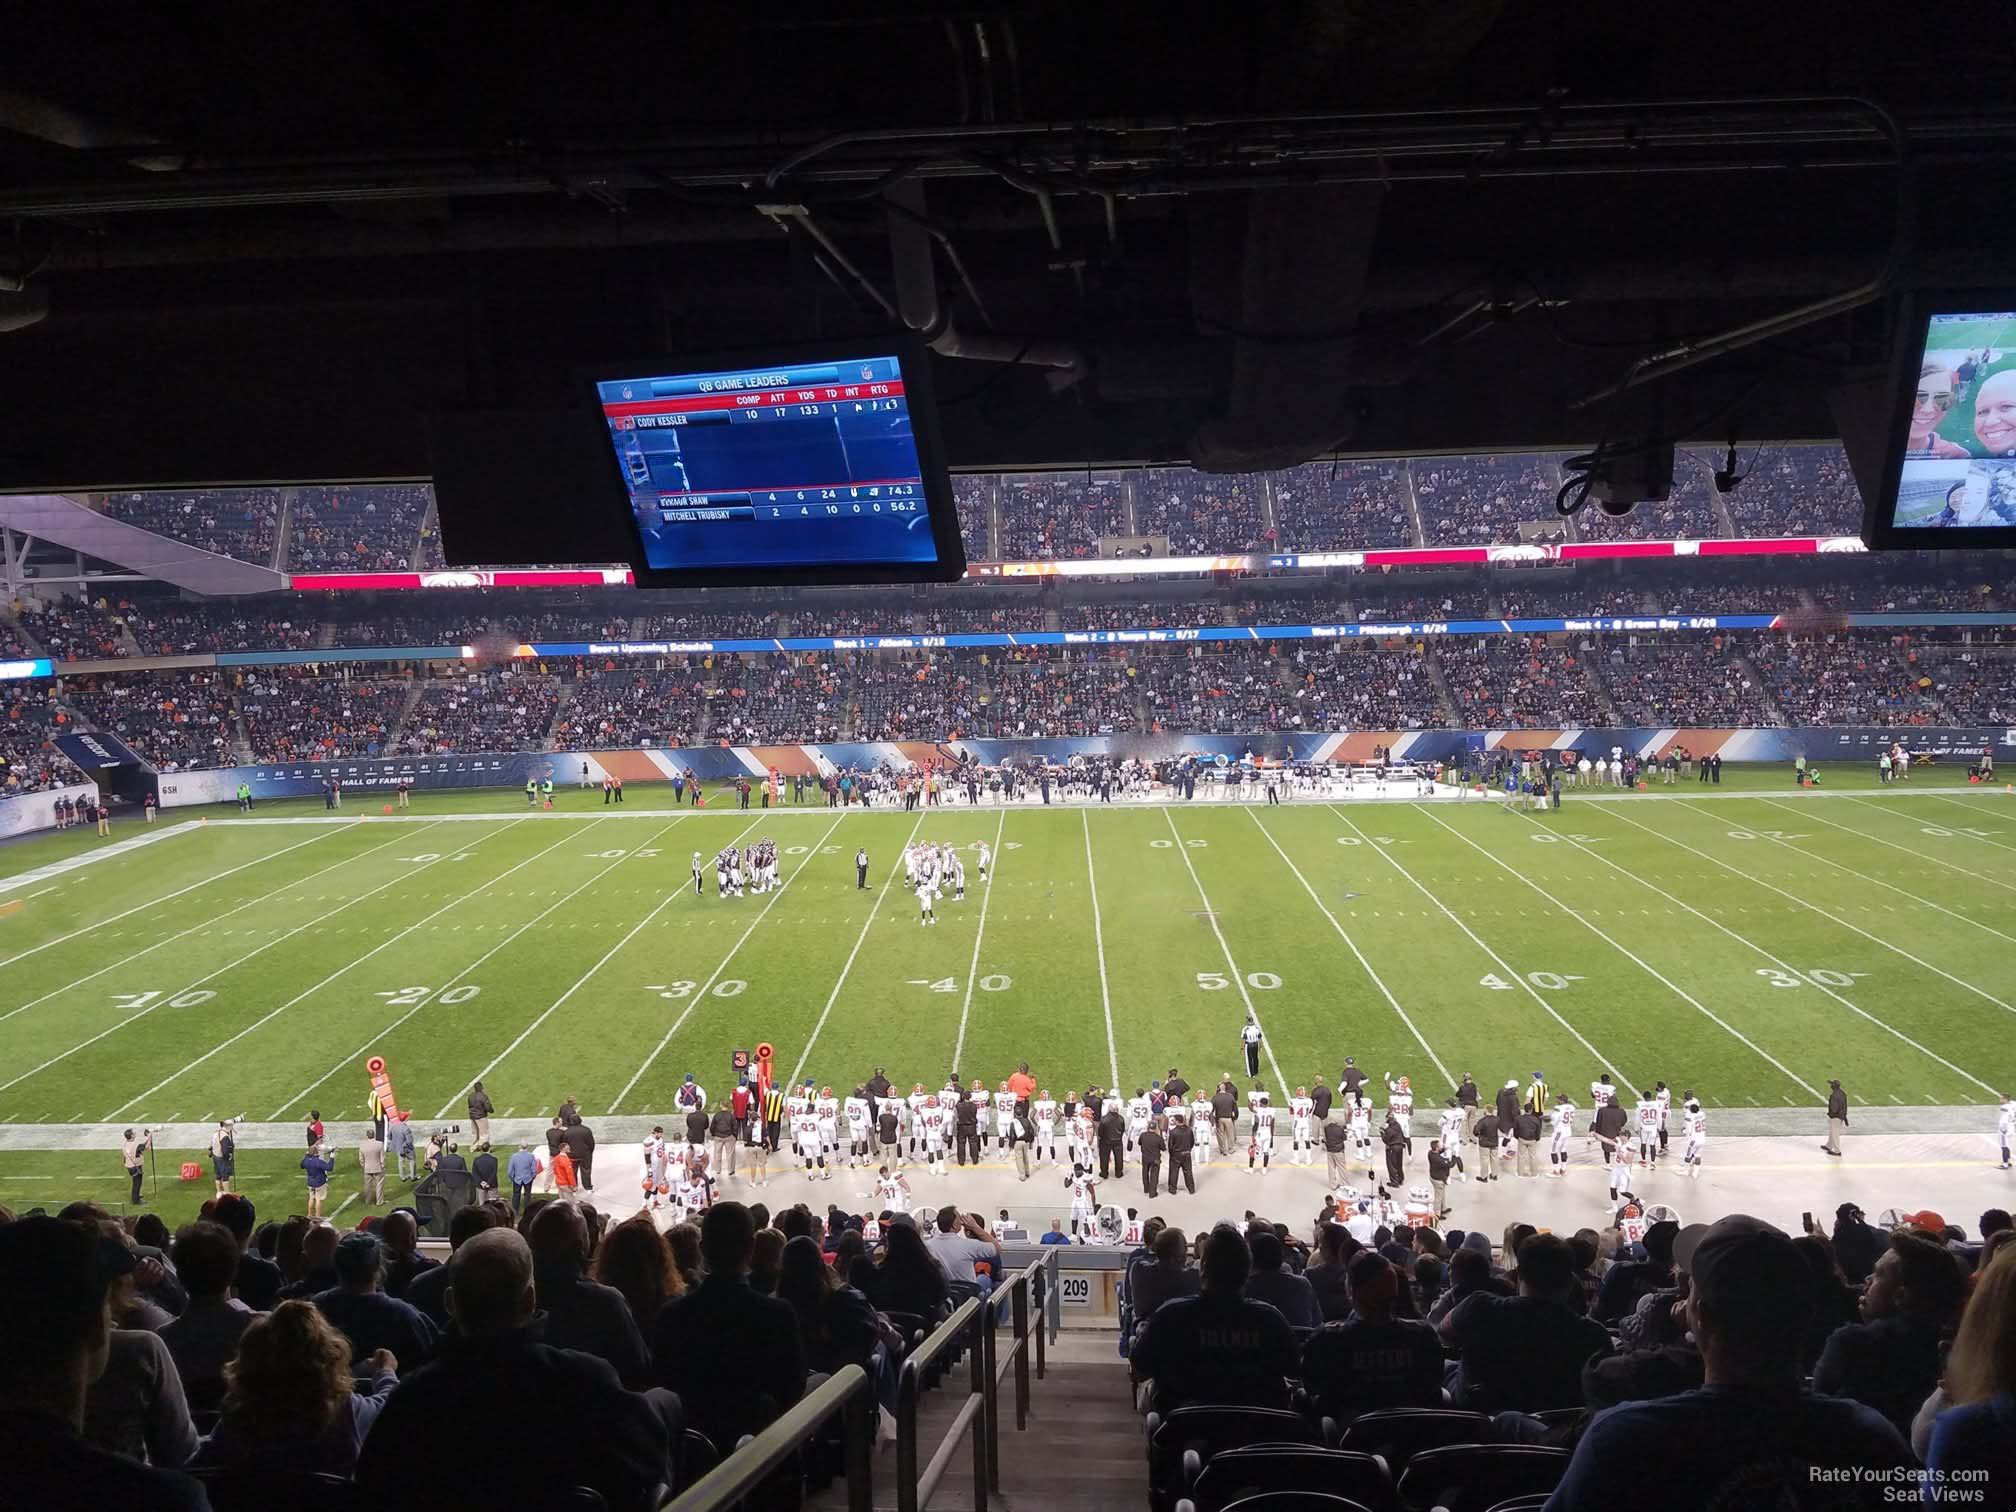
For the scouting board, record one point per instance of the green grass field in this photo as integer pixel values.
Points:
(1747, 947)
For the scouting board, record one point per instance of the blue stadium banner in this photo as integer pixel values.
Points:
(39, 666)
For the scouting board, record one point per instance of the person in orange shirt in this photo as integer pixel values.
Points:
(1022, 1084)
(564, 1177)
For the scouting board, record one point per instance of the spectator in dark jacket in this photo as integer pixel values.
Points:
(735, 1358)
(835, 1322)
(1891, 1360)
(1375, 1359)
(579, 1141)
(1628, 1280)
(1507, 1105)
(579, 1313)
(1856, 1244)
(428, 1291)
(1219, 1346)
(1525, 1353)
(259, 1279)
(1271, 1282)
(589, 1430)
(403, 1260)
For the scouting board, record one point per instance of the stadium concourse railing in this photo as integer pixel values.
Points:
(1031, 1299)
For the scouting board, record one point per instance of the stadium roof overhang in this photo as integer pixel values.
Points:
(1232, 235)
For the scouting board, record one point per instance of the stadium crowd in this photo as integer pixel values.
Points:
(320, 714)
(1059, 514)
(499, 710)
(176, 720)
(1324, 506)
(1517, 682)
(357, 528)
(1484, 500)
(28, 717)
(1840, 679)
(1046, 692)
(622, 704)
(1363, 685)
(1682, 680)
(1200, 513)
(234, 522)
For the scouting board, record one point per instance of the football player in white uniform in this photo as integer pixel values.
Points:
(1043, 1111)
(1564, 1127)
(1200, 1124)
(1302, 1125)
(1647, 1115)
(986, 859)
(1361, 1135)
(1620, 1169)
(1601, 1095)
(934, 1136)
(805, 1140)
(917, 1098)
(958, 874)
(1260, 1153)
(893, 1191)
(979, 1096)
(827, 1107)
(927, 894)
(1084, 1138)
(699, 877)
(855, 1110)
(1695, 1126)
(1663, 1095)
(1139, 1112)
(1084, 1197)
(1449, 1129)
(654, 1166)
(2005, 1125)
(1400, 1100)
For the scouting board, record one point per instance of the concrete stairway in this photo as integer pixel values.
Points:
(1083, 1450)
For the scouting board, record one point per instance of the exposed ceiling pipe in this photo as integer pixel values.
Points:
(46, 121)
(910, 240)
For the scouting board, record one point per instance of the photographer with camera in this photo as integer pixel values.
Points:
(133, 1151)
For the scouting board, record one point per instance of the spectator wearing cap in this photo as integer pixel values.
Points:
(1890, 1360)
(1219, 1347)
(1375, 1359)
(492, 1369)
(51, 1353)
(1746, 1308)
(137, 1407)
(1659, 1357)
(1525, 1353)
(372, 1321)
(582, 1314)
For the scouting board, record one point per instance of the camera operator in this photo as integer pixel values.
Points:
(133, 1151)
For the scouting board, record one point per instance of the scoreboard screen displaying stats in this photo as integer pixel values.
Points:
(818, 467)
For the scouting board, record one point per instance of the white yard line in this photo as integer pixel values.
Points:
(1777, 961)
(979, 934)
(1848, 829)
(340, 971)
(1352, 945)
(168, 997)
(67, 864)
(834, 996)
(1671, 986)
(1099, 948)
(214, 919)
(582, 981)
(1737, 871)
(1972, 807)
(1886, 886)
(708, 985)
(343, 1204)
(1503, 965)
(460, 976)
(1238, 977)
(99, 924)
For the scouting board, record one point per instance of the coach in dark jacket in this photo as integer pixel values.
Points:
(1182, 1142)
(966, 1130)
(1149, 1147)
(1608, 1124)
(1395, 1139)
(580, 1142)
(1486, 1135)
(1112, 1142)
(1508, 1105)
(579, 1313)
(1320, 1099)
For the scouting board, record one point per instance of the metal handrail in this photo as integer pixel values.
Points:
(975, 1323)
(847, 1390)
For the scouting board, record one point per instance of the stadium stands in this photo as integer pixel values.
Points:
(972, 493)
(1200, 513)
(1059, 514)
(317, 714)
(1688, 513)
(357, 528)
(1679, 680)
(1327, 506)
(177, 720)
(1365, 686)
(503, 710)
(627, 704)
(234, 522)
(1237, 689)
(1056, 694)
(1842, 679)
(771, 700)
(74, 629)
(1510, 681)
(28, 763)
(170, 627)
(1796, 490)
(1466, 500)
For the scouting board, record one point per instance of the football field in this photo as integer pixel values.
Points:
(1747, 947)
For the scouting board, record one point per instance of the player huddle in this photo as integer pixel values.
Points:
(932, 870)
(676, 1178)
(753, 867)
